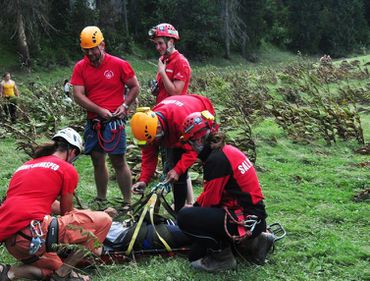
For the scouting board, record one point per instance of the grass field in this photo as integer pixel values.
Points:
(309, 189)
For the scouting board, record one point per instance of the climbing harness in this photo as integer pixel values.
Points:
(116, 127)
(36, 240)
(246, 224)
(151, 204)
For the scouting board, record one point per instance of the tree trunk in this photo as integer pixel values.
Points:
(22, 38)
(98, 4)
(243, 46)
(227, 29)
(125, 19)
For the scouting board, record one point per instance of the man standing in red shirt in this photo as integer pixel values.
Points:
(99, 81)
(174, 72)
(173, 76)
(162, 127)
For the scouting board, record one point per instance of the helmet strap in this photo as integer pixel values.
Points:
(69, 148)
(74, 159)
(169, 50)
(101, 56)
(159, 135)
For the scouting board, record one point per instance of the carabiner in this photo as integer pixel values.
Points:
(251, 222)
(162, 186)
(36, 228)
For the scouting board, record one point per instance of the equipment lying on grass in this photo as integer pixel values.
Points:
(143, 231)
(148, 233)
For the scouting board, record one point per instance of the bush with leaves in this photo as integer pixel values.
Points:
(42, 110)
(300, 97)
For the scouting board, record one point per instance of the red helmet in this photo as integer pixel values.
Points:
(163, 30)
(198, 124)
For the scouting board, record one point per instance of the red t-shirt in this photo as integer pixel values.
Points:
(105, 84)
(174, 109)
(229, 180)
(177, 68)
(32, 190)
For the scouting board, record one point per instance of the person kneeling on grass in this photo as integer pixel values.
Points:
(27, 228)
(230, 209)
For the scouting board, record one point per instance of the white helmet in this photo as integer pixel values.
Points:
(71, 136)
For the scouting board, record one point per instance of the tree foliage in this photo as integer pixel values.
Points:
(50, 29)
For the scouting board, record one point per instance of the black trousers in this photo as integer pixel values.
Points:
(180, 191)
(206, 229)
(10, 109)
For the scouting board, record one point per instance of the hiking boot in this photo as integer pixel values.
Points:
(256, 250)
(98, 204)
(216, 261)
(260, 247)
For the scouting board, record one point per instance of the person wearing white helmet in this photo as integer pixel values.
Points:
(40, 187)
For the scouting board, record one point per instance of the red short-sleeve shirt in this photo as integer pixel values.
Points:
(177, 68)
(32, 190)
(105, 84)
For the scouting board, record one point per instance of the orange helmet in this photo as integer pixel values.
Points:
(144, 125)
(90, 37)
(198, 124)
(163, 30)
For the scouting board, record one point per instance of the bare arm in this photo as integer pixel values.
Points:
(82, 100)
(16, 92)
(134, 89)
(66, 203)
(133, 85)
(172, 87)
(55, 208)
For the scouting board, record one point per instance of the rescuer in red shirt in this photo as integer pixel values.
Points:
(230, 208)
(173, 75)
(162, 126)
(27, 228)
(174, 72)
(99, 85)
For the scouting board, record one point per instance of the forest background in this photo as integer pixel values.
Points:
(304, 122)
(46, 32)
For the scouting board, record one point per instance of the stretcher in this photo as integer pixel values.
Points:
(145, 232)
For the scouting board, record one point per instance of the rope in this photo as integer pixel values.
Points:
(248, 223)
(116, 134)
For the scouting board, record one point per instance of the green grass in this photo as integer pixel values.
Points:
(309, 189)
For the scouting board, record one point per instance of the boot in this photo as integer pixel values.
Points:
(258, 248)
(216, 261)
